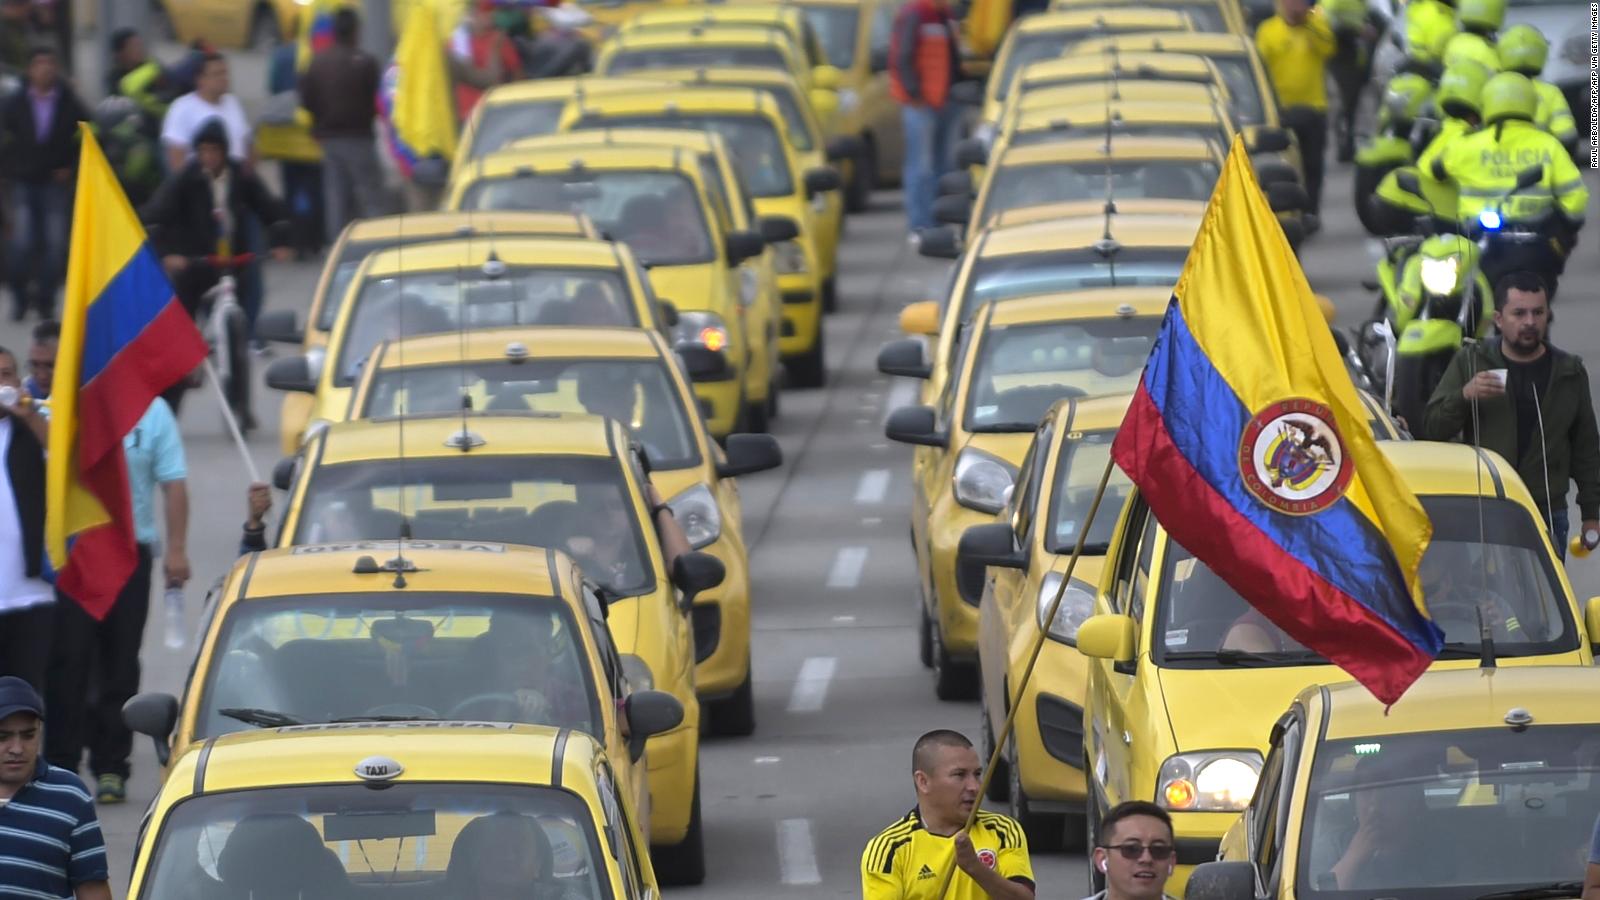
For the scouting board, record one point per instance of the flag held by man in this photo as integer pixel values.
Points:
(124, 339)
(1249, 443)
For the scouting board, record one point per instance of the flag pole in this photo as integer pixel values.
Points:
(1027, 673)
(233, 423)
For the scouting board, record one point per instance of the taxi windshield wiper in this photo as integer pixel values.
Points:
(1229, 656)
(264, 718)
(1553, 889)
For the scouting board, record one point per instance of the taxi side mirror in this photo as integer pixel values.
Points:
(155, 715)
(649, 713)
(915, 425)
(822, 179)
(292, 373)
(971, 152)
(742, 245)
(283, 473)
(281, 326)
(1232, 880)
(940, 242)
(775, 229)
(903, 357)
(958, 182)
(1266, 139)
(749, 453)
(694, 573)
(921, 317)
(1591, 617)
(967, 93)
(701, 363)
(953, 209)
(1107, 636)
(982, 546)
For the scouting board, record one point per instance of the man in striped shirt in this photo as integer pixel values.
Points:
(50, 844)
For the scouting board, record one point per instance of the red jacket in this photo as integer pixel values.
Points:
(924, 57)
(467, 96)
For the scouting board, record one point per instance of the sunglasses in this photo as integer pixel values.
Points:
(1132, 850)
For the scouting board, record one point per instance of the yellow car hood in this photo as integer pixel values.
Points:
(1218, 709)
(688, 287)
(1010, 446)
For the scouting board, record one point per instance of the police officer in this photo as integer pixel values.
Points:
(1429, 25)
(1524, 50)
(1460, 101)
(1478, 20)
(1484, 167)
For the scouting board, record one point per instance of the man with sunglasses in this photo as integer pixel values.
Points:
(1135, 853)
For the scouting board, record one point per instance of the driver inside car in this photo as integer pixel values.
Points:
(504, 856)
(533, 677)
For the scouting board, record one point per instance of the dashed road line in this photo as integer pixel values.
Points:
(874, 485)
(811, 686)
(797, 855)
(848, 564)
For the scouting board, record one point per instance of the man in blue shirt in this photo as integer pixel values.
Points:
(50, 843)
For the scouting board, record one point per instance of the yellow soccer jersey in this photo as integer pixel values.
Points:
(907, 862)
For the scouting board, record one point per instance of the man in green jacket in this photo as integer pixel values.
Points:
(1533, 406)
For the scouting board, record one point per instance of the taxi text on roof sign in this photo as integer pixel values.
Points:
(387, 545)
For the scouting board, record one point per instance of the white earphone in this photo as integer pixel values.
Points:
(1102, 865)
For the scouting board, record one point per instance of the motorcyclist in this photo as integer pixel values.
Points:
(1524, 50)
(1460, 102)
(1479, 20)
(1485, 166)
(1429, 25)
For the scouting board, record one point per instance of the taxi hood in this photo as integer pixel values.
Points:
(1228, 708)
(692, 287)
(1010, 446)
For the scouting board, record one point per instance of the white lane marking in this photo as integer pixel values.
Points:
(879, 445)
(797, 856)
(844, 620)
(766, 760)
(811, 685)
(871, 520)
(864, 421)
(847, 565)
(874, 485)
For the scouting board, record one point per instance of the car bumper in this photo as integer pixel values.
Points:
(801, 312)
(1049, 726)
(958, 619)
(671, 759)
(721, 622)
(720, 402)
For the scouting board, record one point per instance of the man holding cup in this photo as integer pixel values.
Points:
(1532, 407)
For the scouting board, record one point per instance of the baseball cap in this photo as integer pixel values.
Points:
(17, 696)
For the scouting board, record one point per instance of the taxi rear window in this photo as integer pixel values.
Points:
(1049, 272)
(836, 29)
(695, 57)
(1026, 185)
(1021, 370)
(1029, 137)
(758, 151)
(1032, 48)
(501, 123)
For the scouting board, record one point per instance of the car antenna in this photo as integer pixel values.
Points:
(1107, 246)
(399, 564)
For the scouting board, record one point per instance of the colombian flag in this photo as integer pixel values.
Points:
(124, 340)
(414, 98)
(1249, 443)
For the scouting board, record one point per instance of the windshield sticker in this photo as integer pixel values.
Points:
(1177, 637)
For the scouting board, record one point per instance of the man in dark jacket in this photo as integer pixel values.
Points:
(340, 90)
(40, 127)
(27, 610)
(1533, 407)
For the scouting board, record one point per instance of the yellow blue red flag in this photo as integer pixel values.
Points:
(124, 339)
(1248, 441)
(414, 99)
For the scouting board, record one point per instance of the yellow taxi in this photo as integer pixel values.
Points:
(577, 483)
(659, 201)
(326, 633)
(1476, 783)
(364, 237)
(1121, 69)
(779, 183)
(855, 39)
(1234, 55)
(391, 808)
(697, 46)
(782, 18)
(610, 15)
(456, 286)
(524, 109)
(229, 23)
(631, 376)
(1182, 692)
(1223, 16)
(1015, 359)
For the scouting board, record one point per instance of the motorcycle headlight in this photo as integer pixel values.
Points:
(1222, 781)
(1490, 220)
(982, 481)
(789, 258)
(637, 672)
(848, 100)
(1439, 276)
(1076, 606)
(702, 328)
(696, 510)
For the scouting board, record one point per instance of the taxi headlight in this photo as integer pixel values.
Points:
(848, 100)
(637, 673)
(1221, 781)
(701, 328)
(789, 258)
(1076, 605)
(1439, 275)
(982, 481)
(696, 510)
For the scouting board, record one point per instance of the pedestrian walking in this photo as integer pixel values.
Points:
(39, 124)
(1295, 45)
(42, 359)
(50, 841)
(210, 99)
(94, 665)
(924, 62)
(908, 860)
(1135, 856)
(340, 90)
(26, 601)
(482, 55)
(301, 175)
(1531, 404)
(18, 33)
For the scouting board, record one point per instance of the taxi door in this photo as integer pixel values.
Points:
(927, 466)
(1116, 690)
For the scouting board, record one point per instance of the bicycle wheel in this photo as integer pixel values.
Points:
(236, 376)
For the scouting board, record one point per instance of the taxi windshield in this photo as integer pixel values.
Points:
(639, 393)
(1025, 274)
(1043, 45)
(695, 56)
(1035, 185)
(1022, 369)
(1030, 137)
(348, 657)
(411, 839)
(1244, 93)
(399, 306)
(836, 29)
(576, 504)
(1083, 461)
(794, 119)
(1450, 814)
(1523, 602)
(501, 123)
(657, 214)
(758, 151)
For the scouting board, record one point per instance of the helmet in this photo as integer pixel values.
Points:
(1509, 96)
(1482, 16)
(1523, 49)
(1405, 97)
(1461, 89)
(1426, 45)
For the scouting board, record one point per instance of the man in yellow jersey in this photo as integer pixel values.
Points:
(908, 860)
(1295, 46)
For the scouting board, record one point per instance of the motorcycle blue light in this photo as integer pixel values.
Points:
(1489, 219)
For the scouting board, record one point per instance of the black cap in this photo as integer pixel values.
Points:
(17, 696)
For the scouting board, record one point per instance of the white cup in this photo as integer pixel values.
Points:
(1499, 376)
(9, 395)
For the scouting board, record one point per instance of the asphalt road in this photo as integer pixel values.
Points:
(839, 691)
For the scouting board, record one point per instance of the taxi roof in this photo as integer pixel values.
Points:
(489, 344)
(1202, 43)
(1085, 115)
(1102, 303)
(1068, 234)
(697, 140)
(1454, 699)
(1085, 92)
(426, 436)
(734, 76)
(433, 225)
(1141, 64)
(460, 566)
(1177, 147)
(513, 251)
(683, 99)
(1101, 413)
(575, 87)
(1435, 467)
(538, 160)
(1080, 19)
(1067, 209)
(467, 752)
